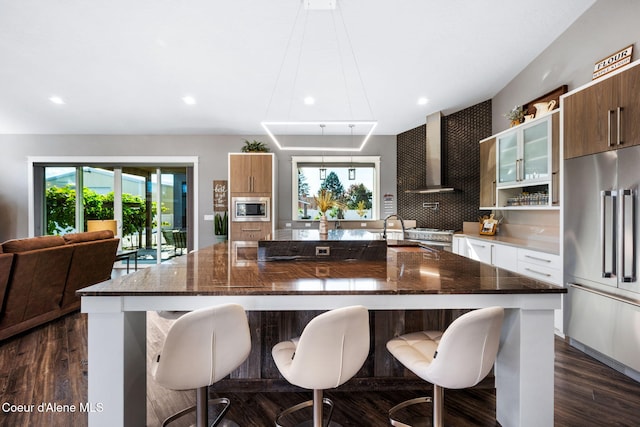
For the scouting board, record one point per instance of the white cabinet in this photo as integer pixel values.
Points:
(480, 250)
(505, 256)
(526, 166)
(534, 264)
(540, 266)
(492, 253)
(459, 245)
(530, 263)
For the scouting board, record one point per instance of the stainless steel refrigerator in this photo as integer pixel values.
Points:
(601, 256)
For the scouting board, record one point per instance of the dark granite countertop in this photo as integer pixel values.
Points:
(219, 270)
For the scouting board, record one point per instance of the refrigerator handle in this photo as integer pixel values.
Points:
(609, 114)
(603, 234)
(631, 277)
(620, 142)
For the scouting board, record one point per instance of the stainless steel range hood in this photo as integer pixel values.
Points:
(434, 158)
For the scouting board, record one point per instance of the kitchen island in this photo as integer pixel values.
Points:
(420, 279)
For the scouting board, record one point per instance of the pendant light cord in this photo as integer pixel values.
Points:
(344, 76)
(353, 54)
(284, 57)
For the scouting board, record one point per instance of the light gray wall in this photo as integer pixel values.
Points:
(606, 27)
(211, 151)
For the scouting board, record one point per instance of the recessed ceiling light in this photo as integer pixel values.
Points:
(309, 100)
(189, 100)
(423, 101)
(56, 100)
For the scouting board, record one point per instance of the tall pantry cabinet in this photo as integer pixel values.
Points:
(252, 177)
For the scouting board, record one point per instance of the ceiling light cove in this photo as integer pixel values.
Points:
(423, 101)
(56, 100)
(189, 100)
(358, 133)
(309, 100)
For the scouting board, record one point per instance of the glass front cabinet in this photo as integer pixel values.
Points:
(523, 154)
(526, 173)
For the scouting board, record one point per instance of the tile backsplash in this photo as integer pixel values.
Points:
(461, 133)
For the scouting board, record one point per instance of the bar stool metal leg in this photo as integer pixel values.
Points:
(201, 408)
(438, 405)
(317, 409)
(437, 408)
(317, 406)
(392, 412)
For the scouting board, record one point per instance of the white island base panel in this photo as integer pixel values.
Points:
(524, 368)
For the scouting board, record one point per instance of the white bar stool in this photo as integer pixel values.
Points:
(331, 350)
(460, 357)
(201, 348)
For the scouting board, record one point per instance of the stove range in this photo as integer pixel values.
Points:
(431, 236)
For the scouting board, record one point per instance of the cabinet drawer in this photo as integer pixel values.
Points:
(540, 272)
(540, 258)
(480, 251)
(249, 231)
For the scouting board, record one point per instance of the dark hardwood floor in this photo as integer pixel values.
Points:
(49, 365)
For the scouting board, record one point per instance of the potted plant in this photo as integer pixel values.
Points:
(515, 115)
(221, 226)
(324, 202)
(254, 147)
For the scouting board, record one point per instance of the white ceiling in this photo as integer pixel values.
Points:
(123, 66)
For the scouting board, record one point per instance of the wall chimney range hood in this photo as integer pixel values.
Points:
(434, 158)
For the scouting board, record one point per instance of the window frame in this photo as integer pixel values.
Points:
(328, 160)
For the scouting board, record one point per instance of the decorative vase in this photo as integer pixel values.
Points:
(324, 225)
(515, 123)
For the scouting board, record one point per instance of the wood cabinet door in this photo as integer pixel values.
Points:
(240, 173)
(261, 172)
(629, 102)
(588, 119)
(555, 160)
(488, 173)
(250, 173)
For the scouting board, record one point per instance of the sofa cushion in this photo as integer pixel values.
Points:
(92, 263)
(88, 236)
(32, 243)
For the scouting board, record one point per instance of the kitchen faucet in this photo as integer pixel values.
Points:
(384, 231)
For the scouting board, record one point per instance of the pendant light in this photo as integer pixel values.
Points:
(323, 170)
(352, 170)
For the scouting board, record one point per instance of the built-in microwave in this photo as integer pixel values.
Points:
(250, 209)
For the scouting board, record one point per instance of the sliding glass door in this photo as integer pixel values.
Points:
(146, 206)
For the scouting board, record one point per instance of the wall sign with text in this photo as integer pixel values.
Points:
(613, 62)
(220, 203)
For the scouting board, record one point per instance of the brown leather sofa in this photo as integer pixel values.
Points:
(6, 261)
(45, 273)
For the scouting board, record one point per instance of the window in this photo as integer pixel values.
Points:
(354, 181)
